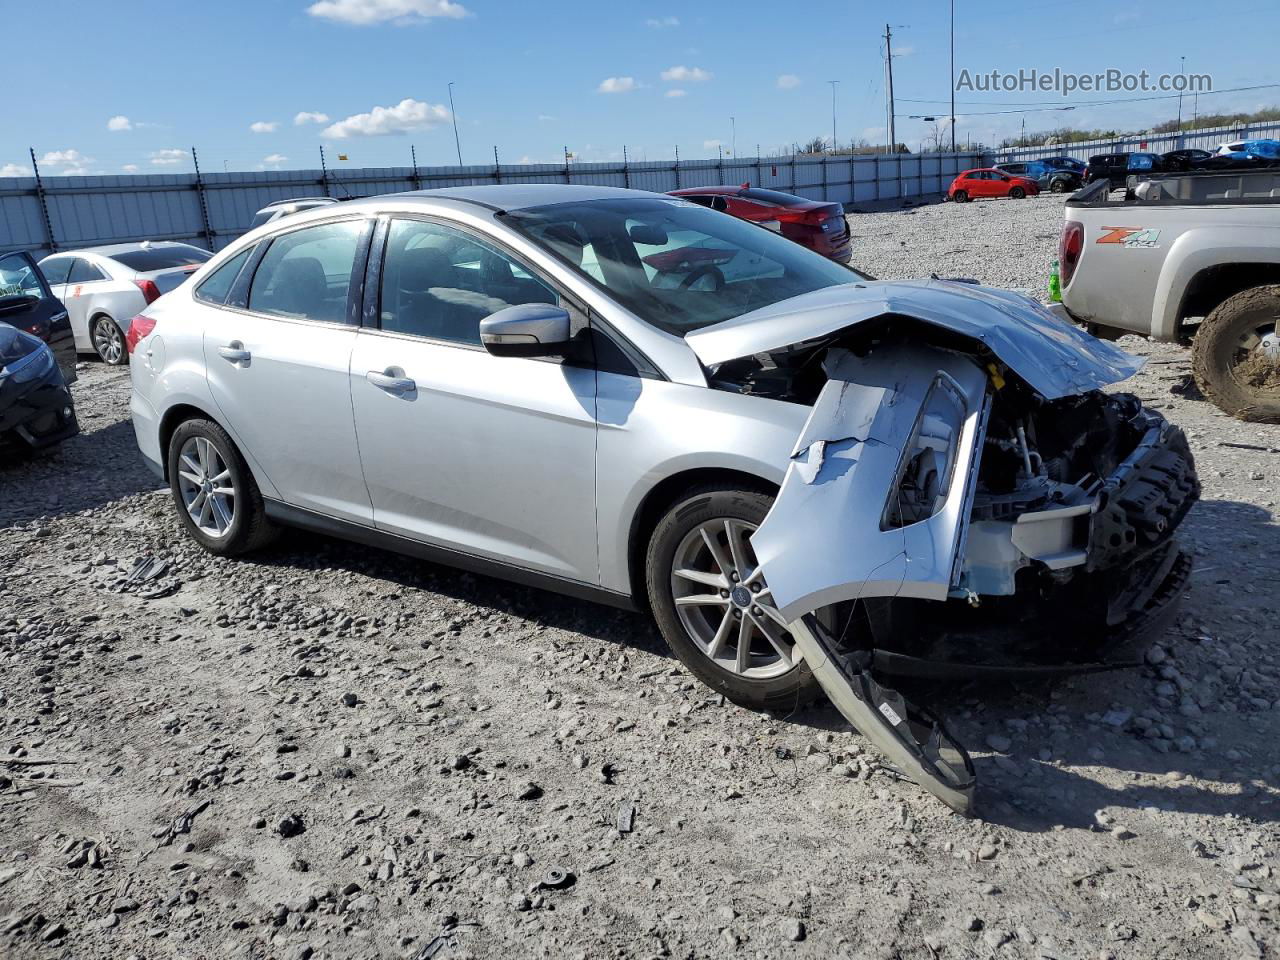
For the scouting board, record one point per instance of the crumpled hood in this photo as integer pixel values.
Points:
(15, 344)
(1054, 357)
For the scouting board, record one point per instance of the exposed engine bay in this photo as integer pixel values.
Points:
(967, 522)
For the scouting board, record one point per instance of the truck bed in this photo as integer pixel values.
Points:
(1187, 189)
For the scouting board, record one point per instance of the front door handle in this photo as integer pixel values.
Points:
(234, 352)
(390, 382)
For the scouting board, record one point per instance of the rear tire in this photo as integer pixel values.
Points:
(961, 196)
(1058, 186)
(229, 519)
(108, 341)
(1230, 369)
(769, 682)
(1017, 193)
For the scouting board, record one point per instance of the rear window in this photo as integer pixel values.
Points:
(773, 196)
(161, 258)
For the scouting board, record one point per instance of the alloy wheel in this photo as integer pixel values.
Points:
(108, 341)
(725, 605)
(207, 487)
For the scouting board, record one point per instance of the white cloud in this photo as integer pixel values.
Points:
(363, 13)
(905, 50)
(130, 168)
(275, 159)
(662, 23)
(710, 144)
(264, 126)
(684, 74)
(71, 158)
(545, 117)
(14, 170)
(408, 114)
(675, 92)
(306, 116)
(788, 81)
(167, 158)
(118, 123)
(617, 85)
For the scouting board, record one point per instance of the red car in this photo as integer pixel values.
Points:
(987, 182)
(815, 224)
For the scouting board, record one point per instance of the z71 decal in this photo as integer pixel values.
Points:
(1143, 237)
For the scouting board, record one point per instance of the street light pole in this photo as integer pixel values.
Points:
(456, 142)
(833, 114)
(733, 136)
(952, 118)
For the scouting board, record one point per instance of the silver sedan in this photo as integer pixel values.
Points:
(807, 476)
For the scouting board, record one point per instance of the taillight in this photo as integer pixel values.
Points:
(1070, 244)
(149, 290)
(139, 328)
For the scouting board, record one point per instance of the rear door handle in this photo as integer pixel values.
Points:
(234, 352)
(390, 383)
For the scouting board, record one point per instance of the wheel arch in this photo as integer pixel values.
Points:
(1211, 286)
(173, 418)
(661, 497)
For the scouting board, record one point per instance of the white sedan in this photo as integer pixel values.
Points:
(104, 288)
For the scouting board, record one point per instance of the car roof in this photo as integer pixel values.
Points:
(111, 249)
(510, 196)
(292, 200)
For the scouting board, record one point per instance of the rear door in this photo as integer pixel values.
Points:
(277, 357)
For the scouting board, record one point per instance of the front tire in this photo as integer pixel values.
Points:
(1058, 186)
(108, 341)
(1017, 193)
(1235, 357)
(217, 499)
(961, 196)
(713, 607)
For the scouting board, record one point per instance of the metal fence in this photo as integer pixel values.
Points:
(1207, 138)
(46, 214)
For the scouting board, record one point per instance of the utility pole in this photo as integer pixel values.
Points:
(834, 141)
(888, 89)
(733, 136)
(953, 76)
(1178, 129)
(456, 142)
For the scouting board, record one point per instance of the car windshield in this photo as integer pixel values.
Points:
(161, 258)
(675, 264)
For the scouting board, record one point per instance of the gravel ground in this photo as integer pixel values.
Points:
(330, 751)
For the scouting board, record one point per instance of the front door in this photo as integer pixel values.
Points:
(278, 367)
(491, 456)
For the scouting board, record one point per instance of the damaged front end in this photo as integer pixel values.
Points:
(964, 488)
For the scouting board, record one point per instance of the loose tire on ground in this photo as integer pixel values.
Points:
(784, 691)
(1249, 390)
(249, 528)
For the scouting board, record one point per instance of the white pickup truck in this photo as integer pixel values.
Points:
(1186, 257)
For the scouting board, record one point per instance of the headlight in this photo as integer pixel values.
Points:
(33, 366)
(924, 477)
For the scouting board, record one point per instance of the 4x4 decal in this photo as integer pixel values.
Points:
(1143, 237)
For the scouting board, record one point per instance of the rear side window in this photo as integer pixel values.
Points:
(306, 274)
(218, 284)
(82, 271)
(55, 271)
(161, 258)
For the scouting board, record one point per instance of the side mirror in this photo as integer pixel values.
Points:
(526, 330)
